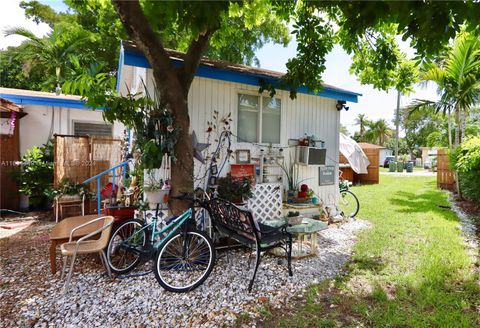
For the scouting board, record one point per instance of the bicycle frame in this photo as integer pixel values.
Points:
(173, 226)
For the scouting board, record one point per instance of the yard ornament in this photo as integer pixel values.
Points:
(198, 147)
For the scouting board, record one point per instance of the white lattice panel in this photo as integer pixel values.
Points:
(266, 203)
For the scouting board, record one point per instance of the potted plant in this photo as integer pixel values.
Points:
(68, 190)
(155, 190)
(293, 217)
(234, 190)
(291, 172)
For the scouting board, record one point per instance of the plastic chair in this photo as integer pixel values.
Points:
(84, 246)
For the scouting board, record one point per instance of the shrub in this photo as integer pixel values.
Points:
(36, 175)
(465, 159)
(234, 190)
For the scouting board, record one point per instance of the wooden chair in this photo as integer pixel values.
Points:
(84, 246)
(62, 201)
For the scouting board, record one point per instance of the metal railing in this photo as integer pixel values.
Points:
(98, 176)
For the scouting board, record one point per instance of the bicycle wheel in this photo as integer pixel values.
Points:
(348, 204)
(184, 261)
(120, 256)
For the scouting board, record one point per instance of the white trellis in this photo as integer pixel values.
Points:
(266, 203)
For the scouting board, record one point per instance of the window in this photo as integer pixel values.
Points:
(258, 119)
(92, 129)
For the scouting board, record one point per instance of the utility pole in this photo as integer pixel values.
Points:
(397, 125)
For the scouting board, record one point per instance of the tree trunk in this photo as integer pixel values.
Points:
(173, 85)
(457, 127)
(449, 129)
(182, 168)
(462, 125)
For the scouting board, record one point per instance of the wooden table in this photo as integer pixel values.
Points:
(61, 233)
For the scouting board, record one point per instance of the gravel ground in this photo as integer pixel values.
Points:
(97, 300)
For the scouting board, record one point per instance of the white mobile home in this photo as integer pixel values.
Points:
(47, 114)
(258, 121)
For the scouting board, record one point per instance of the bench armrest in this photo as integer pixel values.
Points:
(266, 229)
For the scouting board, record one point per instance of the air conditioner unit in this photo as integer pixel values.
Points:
(310, 155)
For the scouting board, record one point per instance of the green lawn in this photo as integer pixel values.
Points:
(409, 270)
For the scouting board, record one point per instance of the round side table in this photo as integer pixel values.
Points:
(305, 236)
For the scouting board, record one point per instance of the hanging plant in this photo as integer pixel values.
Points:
(153, 123)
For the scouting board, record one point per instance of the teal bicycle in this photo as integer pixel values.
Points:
(183, 257)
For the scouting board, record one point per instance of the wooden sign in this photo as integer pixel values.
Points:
(240, 171)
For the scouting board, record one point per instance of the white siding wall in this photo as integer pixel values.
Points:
(306, 114)
(36, 126)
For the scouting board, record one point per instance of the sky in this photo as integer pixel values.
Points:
(375, 104)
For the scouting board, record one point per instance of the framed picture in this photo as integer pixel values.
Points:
(213, 169)
(242, 156)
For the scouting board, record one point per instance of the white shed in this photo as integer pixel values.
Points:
(384, 152)
(258, 119)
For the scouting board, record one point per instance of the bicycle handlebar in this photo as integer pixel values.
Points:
(190, 198)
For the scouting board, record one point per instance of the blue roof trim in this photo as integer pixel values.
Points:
(45, 101)
(136, 59)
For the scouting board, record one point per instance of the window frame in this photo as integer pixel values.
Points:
(260, 115)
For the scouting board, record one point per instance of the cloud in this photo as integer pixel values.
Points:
(12, 15)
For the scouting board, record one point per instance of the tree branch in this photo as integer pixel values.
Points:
(194, 54)
(138, 28)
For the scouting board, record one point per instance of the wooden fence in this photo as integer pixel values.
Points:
(373, 175)
(78, 158)
(445, 176)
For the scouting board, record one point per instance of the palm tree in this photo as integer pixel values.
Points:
(379, 132)
(362, 121)
(457, 76)
(51, 53)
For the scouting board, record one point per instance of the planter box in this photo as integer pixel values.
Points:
(120, 212)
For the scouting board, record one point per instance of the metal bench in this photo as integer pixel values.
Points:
(239, 225)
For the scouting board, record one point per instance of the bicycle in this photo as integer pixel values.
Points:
(183, 257)
(348, 203)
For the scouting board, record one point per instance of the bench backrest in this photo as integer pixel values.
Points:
(232, 219)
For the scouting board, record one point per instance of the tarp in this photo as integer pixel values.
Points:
(354, 154)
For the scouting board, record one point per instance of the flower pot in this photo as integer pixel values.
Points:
(157, 196)
(120, 212)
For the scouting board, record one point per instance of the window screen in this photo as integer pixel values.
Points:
(248, 110)
(271, 120)
(92, 129)
(253, 114)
